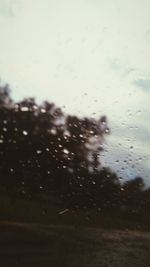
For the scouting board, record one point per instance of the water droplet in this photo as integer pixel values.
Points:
(66, 134)
(38, 151)
(70, 170)
(107, 131)
(24, 108)
(53, 131)
(66, 151)
(25, 132)
(34, 107)
(60, 146)
(43, 110)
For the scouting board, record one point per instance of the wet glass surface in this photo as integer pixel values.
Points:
(74, 133)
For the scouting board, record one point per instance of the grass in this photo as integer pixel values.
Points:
(46, 210)
(29, 236)
(40, 245)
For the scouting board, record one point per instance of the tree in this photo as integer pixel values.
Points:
(44, 149)
(132, 194)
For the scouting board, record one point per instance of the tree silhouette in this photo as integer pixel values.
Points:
(132, 193)
(44, 150)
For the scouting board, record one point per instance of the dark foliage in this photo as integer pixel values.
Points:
(44, 150)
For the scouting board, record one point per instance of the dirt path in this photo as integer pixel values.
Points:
(23, 244)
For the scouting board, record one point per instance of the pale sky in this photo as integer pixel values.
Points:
(90, 57)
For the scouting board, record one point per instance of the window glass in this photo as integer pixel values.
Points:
(74, 131)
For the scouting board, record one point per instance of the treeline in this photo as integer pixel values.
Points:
(43, 150)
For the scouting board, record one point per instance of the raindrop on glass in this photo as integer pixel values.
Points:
(25, 132)
(66, 151)
(38, 151)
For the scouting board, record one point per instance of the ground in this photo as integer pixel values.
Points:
(29, 244)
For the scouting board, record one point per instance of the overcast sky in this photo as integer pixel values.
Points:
(90, 57)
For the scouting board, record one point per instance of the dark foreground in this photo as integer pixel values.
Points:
(24, 244)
